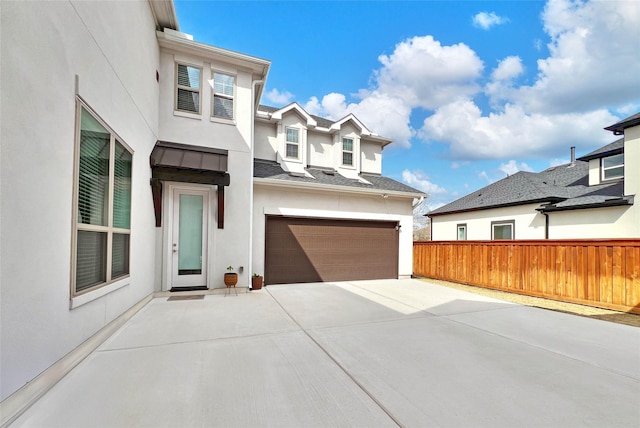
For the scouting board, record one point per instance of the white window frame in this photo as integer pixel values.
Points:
(79, 297)
(179, 87)
(293, 143)
(352, 151)
(510, 223)
(221, 95)
(604, 169)
(462, 226)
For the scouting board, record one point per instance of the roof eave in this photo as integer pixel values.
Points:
(336, 188)
(618, 202)
(510, 204)
(164, 13)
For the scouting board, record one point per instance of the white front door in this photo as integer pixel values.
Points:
(189, 238)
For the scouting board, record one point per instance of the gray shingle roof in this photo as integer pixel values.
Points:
(560, 187)
(608, 150)
(272, 170)
(321, 121)
(619, 127)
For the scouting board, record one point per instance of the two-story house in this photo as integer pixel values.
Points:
(590, 197)
(136, 160)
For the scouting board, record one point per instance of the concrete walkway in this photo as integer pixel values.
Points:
(365, 354)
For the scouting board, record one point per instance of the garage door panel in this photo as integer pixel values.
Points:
(313, 250)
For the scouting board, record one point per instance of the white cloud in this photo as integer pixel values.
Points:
(509, 68)
(423, 73)
(421, 181)
(280, 98)
(484, 176)
(513, 132)
(512, 167)
(594, 59)
(486, 20)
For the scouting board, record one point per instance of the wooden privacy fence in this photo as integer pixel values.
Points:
(602, 273)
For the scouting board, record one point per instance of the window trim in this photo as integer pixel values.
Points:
(287, 142)
(603, 168)
(215, 94)
(186, 88)
(458, 227)
(110, 283)
(511, 223)
(352, 151)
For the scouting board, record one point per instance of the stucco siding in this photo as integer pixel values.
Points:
(613, 222)
(321, 152)
(45, 45)
(265, 140)
(371, 157)
(529, 224)
(270, 200)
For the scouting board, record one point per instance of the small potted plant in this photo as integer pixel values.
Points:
(256, 281)
(230, 278)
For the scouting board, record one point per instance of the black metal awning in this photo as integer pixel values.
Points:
(188, 164)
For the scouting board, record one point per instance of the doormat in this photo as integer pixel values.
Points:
(197, 297)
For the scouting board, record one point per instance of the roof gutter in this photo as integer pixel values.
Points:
(334, 188)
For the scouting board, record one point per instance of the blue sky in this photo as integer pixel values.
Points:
(469, 91)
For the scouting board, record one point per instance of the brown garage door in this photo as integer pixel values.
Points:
(315, 250)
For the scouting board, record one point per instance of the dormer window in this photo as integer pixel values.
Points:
(188, 88)
(613, 167)
(347, 151)
(292, 144)
(223, 91)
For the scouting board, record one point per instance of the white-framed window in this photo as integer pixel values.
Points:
(462, 232)
(504, 229)
(102, 199)
(223, 95)
(613, 167)
(347, 151)
(292, 143)
(188, 84)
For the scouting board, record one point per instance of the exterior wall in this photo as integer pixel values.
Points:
(321, 151)
(594, 172)
(632, 164)
(229, 246)
(371, 157)
(529, 224)
(111, 47)
(287, 201)
(613, 222)
(265, 140)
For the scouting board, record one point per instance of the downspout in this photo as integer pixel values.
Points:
(252, 136)
(546, 224)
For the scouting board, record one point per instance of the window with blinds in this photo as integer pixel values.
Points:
(292, 144)
(188, 88)
(223, 93)
(103, 211)
(347, 151)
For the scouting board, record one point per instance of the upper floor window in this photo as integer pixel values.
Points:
(462, 232)
(223, 93)
(102, 224)
(503, 229)
(613, 167)
(188, 88)
(347, 151)
(292, 144)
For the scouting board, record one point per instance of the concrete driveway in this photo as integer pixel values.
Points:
(366, 354)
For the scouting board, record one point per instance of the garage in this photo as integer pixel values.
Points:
(320, 250)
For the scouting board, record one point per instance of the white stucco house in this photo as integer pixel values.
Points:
(136, 160)
(591, 197)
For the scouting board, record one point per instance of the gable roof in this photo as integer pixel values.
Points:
(562, 187)
(267, 171)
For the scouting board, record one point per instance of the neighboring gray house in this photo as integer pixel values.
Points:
(590, 197)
